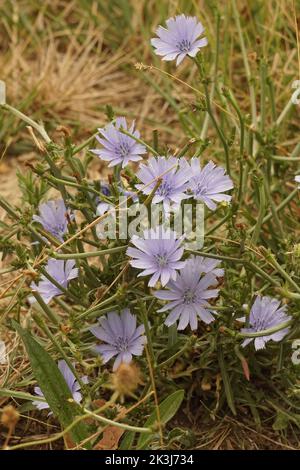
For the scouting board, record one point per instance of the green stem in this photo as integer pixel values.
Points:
(29, 121)
(88, 254)
(262, 273)
(50, 314)
(84, 144)
(179, 353)
(8, 270)
(284, 112)
(116, 424)
(200, 67)
(278, 208)
(246, 64)
(296, 152)
(267, 332)
(149, 198)
(147, 331)
(272, 98)
(214, 75)
(284, 274)
(263, 81)
(228, 94)
(5, 392)
(261, 213)
(214, 256)
(190, 143)
(73, 184)
(98, 306)
(7, 207)
(273, 210)
(219, 224)
(278, 158)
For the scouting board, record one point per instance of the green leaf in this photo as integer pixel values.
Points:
(127, 441)
(53, 385)
(281, 422)
(167, 409)
(226, 381)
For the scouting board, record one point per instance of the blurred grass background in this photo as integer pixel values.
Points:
(64, 61)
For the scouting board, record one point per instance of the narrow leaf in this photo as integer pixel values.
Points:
(167, 409)
(226, 382)
(127, 441)
(53, 385)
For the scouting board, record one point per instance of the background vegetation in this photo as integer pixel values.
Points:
(63, 63)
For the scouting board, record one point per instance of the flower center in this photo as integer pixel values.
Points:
(122, 343)
(124, 149)
(260, 325)
(164, 189)
(200, 190)
(189, 297)
(58, 231)
(162, 260)
(184, 45)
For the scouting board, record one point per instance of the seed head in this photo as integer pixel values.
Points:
(9, 417)
(126, 379)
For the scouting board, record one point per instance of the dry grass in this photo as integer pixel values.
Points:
(68, 63)
(64, 64)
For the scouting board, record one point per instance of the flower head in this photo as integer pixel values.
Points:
(54, 217)
(188, 294)
(103, 207)
(131, 195)
(102, 204)
(121, 336)
(59, 270)
(206, 265)
(297, 179)
(179, 39)
(265, 313)
(209, 183)
(119, 148)
(105, 188)
(71, 381)
(174, 174)
(158, 253)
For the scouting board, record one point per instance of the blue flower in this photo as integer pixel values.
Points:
(189, 293)
(121, 336)
(265, 313)
(174, 174)
(71, 381)
(179, 39)
(158, 254)
(209, 183)
(119, 148)
(54, 217)
(60, 271)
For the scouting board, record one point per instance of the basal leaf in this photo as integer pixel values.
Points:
(53, 385)
(167, 409)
